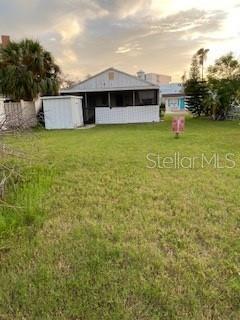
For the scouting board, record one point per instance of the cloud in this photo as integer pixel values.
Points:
(123, 9)
(155, 44)
(89, 35)
(40, 16)
(69, 28)
(129, 48)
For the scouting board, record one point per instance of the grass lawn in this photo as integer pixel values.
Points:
(95, 234)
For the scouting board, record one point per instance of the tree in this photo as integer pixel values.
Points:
(226, 67)
(194, 73)
(224, 85)
(202, 57)
(27, 70)
(68, 82)
(195, 89)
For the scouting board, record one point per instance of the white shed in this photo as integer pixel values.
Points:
(62, 112)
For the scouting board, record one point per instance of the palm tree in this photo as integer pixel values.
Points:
(27, 70)
(202, 56)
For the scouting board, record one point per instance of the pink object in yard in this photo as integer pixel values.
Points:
(178, 124)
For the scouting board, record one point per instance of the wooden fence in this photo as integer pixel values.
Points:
(19, 114)
(13, 114)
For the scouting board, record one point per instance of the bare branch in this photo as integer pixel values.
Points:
(16, 118)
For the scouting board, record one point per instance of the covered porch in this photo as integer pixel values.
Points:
(92, 101)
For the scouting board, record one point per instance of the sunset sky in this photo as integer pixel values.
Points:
(87, 36)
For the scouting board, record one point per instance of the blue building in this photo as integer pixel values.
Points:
(172, 95)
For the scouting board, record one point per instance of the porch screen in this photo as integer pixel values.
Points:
(145, 98)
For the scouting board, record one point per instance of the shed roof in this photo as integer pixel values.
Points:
(60, 97)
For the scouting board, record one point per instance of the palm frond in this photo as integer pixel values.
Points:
(27, 70)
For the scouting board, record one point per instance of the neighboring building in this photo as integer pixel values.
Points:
(113, 96)
(172, 95)
(155, 78)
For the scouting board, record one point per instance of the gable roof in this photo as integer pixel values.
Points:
(102, 82)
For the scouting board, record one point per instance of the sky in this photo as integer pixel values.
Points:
(88, 36)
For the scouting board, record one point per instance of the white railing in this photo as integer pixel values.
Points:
(136, 114)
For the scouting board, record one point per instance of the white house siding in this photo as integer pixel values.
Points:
(136, 114)
(63, 112)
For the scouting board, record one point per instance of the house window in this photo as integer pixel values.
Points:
(173, 103)
(111, 75)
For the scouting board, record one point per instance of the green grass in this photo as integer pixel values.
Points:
(98, 235)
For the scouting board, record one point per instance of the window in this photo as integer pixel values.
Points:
(173, 103)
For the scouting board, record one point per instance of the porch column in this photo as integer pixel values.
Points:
(86, 102)
(109, 99)
(133, 98)
(85, 110)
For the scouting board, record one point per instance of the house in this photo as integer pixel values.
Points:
(154, 78)
(113, 96)
(172, 95)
